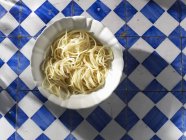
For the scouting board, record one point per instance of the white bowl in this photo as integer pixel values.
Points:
(104, 35)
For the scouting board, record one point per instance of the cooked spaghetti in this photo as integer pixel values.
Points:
(76, 64)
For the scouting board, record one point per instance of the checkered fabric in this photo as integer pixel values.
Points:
(148, 104)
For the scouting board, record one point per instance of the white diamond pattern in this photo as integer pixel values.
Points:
(124, 112)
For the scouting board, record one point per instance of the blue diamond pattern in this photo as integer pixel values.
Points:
(12, 90)
(25, 12)
(174, 10)
(130, 95)
(15, 136)
(39, 96)
(178, 87)
(124, 31)
(20, 11)
(131, 41)
(122, 86)
(122, 41)
(11, 116)
(182, 138)
(21, 117)
(152, 11)
(125, 11)
(20, 95)
(130, 11)
(22, 32)
(23, 63)
(127, 118)
(99, 119)
(155, 119)
(155, 96)
(176, 41)
(70, 137)
(23, 41)
(1, 38)
(183, 32)
(153, 31)
(43, 118)
(15, 40)
(126, 137)
(42, 137)
(18, 62)
(2, 11)
(154, 41)
(178, 118)
(125, 59)
(155, 86)
(120, 11)
(71, 119)
(183, 10)
(1, 62)
(15, 11)
(126, 94)
(22, 84)
(77, 10)
(15, 32)
(155, 64)
(184, 85)
(132, 64)
(99, 138)
(175, 32)
(13, 62)
(46, 12)
(131, 86)
(20, 37)
(181, 96)
(18, 32)
(155, 138)
(98, 10)
(183, 64)
(176, 64)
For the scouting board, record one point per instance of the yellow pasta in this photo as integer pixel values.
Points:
(76, 64)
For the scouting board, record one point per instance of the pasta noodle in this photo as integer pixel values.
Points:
(76, 64)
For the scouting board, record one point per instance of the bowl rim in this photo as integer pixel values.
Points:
(43, 91)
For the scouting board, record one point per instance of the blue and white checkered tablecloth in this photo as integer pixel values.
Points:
(149, 103)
